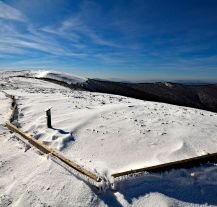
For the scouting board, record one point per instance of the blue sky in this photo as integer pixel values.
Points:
(133, 40)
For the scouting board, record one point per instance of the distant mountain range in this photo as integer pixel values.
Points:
(186, 82)
(202, 96)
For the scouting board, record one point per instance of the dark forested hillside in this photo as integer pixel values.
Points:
(197, 96)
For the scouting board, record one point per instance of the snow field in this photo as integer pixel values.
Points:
(109, 133)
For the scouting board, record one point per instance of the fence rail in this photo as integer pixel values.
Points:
(185, 163)
(44, 148)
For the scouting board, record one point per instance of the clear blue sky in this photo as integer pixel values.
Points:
(124, 39)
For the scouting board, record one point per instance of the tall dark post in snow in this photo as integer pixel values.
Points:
(48, 114)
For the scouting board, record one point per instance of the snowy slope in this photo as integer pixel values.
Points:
(54, 75)
(112, 133)
(65, 77)
(106, 134)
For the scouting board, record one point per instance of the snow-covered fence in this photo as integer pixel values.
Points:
(45, 149)
(185, 163)
(48, 116)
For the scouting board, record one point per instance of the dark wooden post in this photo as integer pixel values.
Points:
(13, 101)
(48, 114)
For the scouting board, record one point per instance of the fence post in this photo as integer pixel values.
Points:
(48, 115)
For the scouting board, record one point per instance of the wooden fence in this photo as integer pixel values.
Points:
(185, 163)
(43, 148)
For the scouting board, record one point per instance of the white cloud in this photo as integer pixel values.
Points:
(77, 24)
(10, 13)
(66, 39)
(74, 22)
(19, 43)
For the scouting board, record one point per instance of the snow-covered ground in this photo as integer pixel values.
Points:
(106, 134)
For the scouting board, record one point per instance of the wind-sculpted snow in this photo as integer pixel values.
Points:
(112, 133)
(53, 75)
(59, 76)
(105, 133)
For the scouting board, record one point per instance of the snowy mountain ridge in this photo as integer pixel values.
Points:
(196, 96)
(59, 76)
(49, 74)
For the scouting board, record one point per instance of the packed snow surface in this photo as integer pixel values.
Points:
(106, 134)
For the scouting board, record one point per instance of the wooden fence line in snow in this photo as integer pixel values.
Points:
(42, 147)
(45, 149)
(185, 163)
